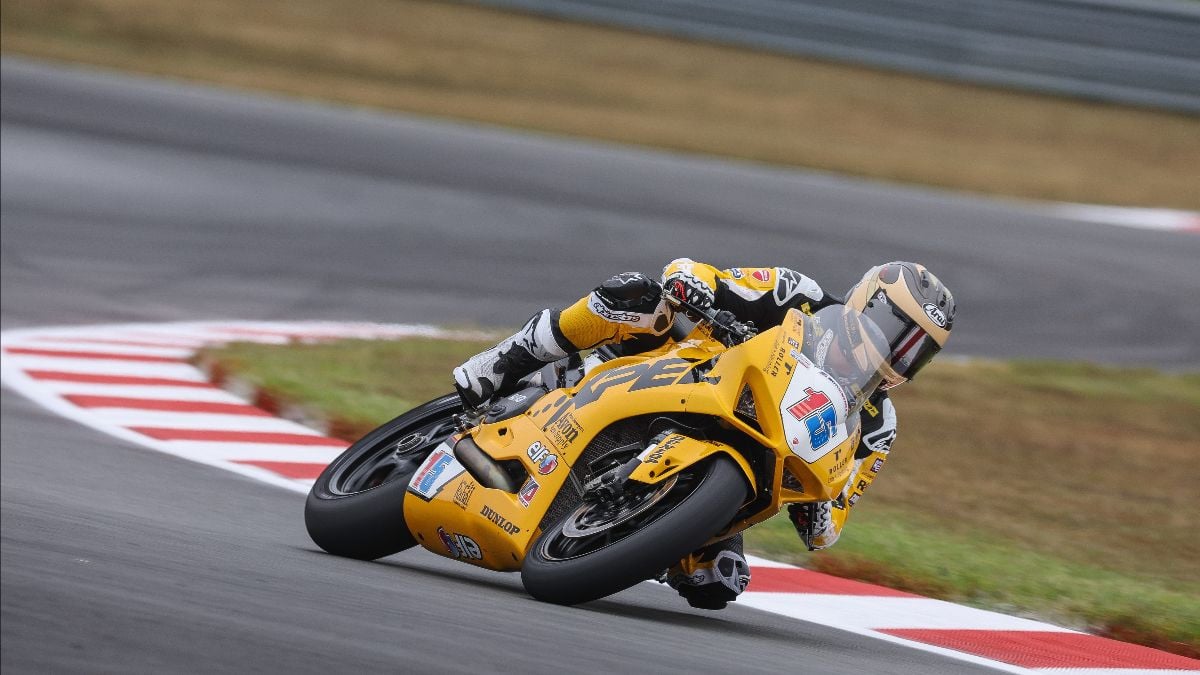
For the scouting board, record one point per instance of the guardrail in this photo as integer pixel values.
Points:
(1143, 52)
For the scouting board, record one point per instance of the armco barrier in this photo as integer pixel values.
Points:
(1144, 52)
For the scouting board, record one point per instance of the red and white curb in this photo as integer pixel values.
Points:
(1008, 643)
(135, 382)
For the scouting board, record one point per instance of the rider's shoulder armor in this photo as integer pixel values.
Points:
(765, 294)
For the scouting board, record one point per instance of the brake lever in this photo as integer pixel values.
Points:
(726, 327)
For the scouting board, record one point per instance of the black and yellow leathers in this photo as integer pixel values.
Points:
(629, 310)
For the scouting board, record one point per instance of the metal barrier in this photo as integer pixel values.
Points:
(1144, 52)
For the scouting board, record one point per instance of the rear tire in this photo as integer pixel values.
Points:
(356, 507)
(566, 569)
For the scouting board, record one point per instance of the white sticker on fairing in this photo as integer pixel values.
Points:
(814, 414)
(439, 468)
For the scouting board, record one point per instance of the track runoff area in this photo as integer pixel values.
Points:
(136, 382)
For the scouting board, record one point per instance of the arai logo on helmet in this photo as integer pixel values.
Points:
(936, 315)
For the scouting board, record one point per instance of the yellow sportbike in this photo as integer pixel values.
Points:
(605, 471)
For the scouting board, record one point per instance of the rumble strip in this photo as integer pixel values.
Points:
(135, 382)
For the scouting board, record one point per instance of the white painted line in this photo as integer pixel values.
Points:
(1110, 671)
(177, 420)
(263, 452)
(876, 613)
(178, 371)
(69, 345)
(164, 392)
(763, 562)
(1146, 219)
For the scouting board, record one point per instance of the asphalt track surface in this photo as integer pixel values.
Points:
(133, 200)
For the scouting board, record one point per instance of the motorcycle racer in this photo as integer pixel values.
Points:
(910, 310)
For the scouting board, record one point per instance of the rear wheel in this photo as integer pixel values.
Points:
(356, 507)
(602, 548)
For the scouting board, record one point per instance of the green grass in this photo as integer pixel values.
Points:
(913, 552)
(352, 385)
(1054, 490)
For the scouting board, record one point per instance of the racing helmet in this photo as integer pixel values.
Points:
(912, 309)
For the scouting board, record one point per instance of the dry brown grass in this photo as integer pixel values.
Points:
(462, 61)
(1042, 459)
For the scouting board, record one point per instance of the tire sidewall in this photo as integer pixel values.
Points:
(644, 553)
(369, 524)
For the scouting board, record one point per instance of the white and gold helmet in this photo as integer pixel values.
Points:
(913, 311)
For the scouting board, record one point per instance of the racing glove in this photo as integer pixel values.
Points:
(684, 285)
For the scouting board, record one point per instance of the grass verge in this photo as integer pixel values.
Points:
(459, 60)
(1061, 491)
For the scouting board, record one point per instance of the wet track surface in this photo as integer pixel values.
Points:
(125, 200)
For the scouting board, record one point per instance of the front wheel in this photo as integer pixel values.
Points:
(356, 507)
(600, 549)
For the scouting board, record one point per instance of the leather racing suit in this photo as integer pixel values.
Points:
(628, 310)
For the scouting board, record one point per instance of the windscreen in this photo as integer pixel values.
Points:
(850, 347)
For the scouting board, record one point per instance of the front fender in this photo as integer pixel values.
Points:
(676, 451)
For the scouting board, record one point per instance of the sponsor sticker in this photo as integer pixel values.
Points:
(815, 411)
(499, 520)
(937, 316)
(528, 490)
(822, 351)
(634, 377)
(546, 461)
(564, 430)
(462, 493)
(877, 465)
(854, 498)
(600, 309)
(439, 469)
(460, 545)
(763, 275)
(839, 464)
(654, 453)
(736, 273)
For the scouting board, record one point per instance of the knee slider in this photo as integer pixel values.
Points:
(630, 290)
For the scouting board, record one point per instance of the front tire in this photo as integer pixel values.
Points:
(356, 507)
(579, 558)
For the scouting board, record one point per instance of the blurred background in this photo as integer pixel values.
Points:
(467, 163)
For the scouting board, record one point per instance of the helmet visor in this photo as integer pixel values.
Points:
(909, 346)
(848, 349)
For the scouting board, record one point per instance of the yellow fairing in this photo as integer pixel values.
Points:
(487, 526)
(676, 451)
(740, 374)
(494, 528)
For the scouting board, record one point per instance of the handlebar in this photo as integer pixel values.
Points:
(729, 330)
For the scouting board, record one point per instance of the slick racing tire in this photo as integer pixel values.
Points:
(356, 507)
(581, 558)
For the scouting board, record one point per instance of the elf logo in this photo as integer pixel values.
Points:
(547, 461)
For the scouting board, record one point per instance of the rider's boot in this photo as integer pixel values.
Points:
(712, 576)
(496, 371)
